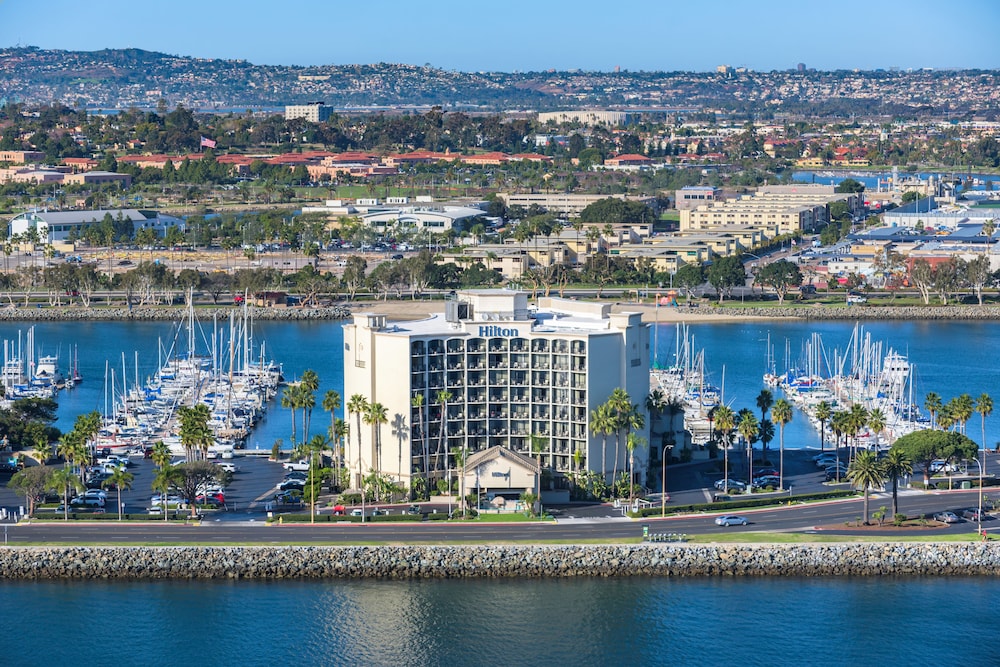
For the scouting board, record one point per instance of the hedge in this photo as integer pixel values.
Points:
(737, 504)
(334, 518)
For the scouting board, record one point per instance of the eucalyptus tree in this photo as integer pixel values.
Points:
(866, 472)
(782, 414)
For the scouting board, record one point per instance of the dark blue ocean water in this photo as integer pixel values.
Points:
(949, 358)
(779, 621)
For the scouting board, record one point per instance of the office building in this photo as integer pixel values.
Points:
(317, 112)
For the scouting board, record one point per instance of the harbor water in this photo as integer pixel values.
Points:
(948, 357)
(634, 621)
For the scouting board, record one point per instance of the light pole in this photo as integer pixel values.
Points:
(979, 514)
(663, 479)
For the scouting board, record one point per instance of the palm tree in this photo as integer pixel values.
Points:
(933, 405)
(358, 406)
(725, 421)
(289, 399)
(63, 480)
(782, 414)
(984, 406)
(897, 465)
(838, 422)
(876, 422)
(962, 407)
(311, 449)
(120, 479)
(621, 407)
(441, 398)
(857, 419)
(631, 443)
(602, 423)
(766, 434)
(194, 432)
(865, 473)
(822, 413)
(331, 403)
(164, 481)
(418, 402)
(376, 416)
(749, 428)
(307, 400)
(765, 399)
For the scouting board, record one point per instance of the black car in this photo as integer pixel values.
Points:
(292, 485)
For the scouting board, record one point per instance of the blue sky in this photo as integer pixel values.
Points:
(511, 35)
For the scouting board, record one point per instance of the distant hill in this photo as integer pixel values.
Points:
(120, 78)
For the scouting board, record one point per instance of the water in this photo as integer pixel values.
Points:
(519, 622)
(871, 178)
(949, 357)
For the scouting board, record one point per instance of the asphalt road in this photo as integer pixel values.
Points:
(804, 519)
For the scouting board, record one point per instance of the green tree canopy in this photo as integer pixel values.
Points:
(617, 210)
(780, 276)
(923, 447)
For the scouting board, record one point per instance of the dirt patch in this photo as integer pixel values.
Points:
(909, 524)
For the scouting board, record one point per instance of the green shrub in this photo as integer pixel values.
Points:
(744, 503)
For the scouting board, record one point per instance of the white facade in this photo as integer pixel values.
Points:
(55, 226)
(314, 113)
(512, 372)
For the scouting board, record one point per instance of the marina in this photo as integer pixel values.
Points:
(233, 378)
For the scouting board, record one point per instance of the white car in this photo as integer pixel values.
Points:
(228, 467)
(301, 466)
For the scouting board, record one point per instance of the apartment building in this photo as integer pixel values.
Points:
(317, 112)
(510, 372)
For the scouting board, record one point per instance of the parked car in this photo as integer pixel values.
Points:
(82, 501)
(301, 466)
(228, 467)
(730, 520)
(291, 485)
(946, 517)
(972, 514)
(942, 466)
(733, 484)
(766, 481)
(414, 509)
(290, 497)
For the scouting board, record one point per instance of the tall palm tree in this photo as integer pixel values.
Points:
(602, 423)
(441, 398)
(748, 427)
(418, 403)
(194, 432)
(725, 422)
(822, 413)
(766, 434)
(161, 454)
(962, 407)
(358, 406)
(289, 399)
(933, 405)
(307, 400)
(120, 479)
(897, 465)
(331, 403)
(375, 416)
(866, 472)
(838, 422)
(984, 406)
(765, 399)
(64, 480)
(876, 422)
(620, 404)
(631, 443)
(857, 420)
(165, 479)
(782, 414)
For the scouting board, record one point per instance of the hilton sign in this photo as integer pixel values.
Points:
(493, 330)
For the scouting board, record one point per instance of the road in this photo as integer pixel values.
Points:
(802, 519)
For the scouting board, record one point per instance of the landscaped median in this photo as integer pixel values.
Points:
(875, 559)
(744, 503)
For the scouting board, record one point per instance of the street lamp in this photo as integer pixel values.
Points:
(979, 514)
(663, 479)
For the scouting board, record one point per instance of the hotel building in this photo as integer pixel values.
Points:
(510, 372)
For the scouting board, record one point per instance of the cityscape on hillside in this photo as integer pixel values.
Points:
(124, 78)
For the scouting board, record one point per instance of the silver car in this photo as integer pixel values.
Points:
(730, 520)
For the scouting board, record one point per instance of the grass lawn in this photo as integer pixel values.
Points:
(817, 538)
(515, 517)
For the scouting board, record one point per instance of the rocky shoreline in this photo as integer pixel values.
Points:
(343, 311)
(170, 313)
(461, 562)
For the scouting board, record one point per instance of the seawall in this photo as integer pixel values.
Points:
(438, 562)
(173, 314)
